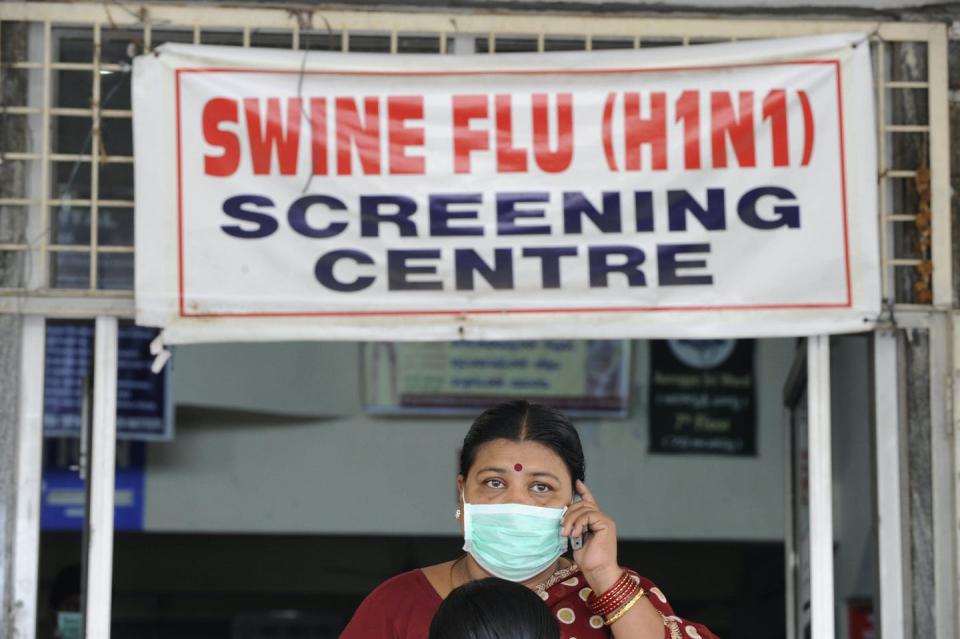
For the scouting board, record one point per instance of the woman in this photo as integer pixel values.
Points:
(493, 609)
(522, 497)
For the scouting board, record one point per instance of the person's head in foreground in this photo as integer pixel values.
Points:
(493, 609)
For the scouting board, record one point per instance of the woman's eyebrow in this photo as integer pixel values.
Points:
(543, 473)
(495, 469)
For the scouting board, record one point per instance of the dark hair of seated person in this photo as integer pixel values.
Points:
(493, 608)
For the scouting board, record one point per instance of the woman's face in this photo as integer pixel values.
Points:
(524, 472)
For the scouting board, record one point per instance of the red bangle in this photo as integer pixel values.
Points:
(615, 604)
(621, 592)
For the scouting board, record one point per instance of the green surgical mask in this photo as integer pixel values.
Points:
(513, 541)
(68, 625)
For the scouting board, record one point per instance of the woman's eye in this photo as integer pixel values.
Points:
(541, 488)
(494, 483)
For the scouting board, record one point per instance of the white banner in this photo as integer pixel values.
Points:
(709, 191)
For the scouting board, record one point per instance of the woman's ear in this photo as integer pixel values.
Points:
(460, 485)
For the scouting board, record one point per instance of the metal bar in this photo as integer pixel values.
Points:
(68, 111)
(900, 173)
(21, 110)
(211, 16)
(116, 250)
(246, 36)
(84, 248)
(17, 201)
(96, 144)
(942, 480)
(98, 599)
(886, 274)
(940, 191)
(891, 590)
(26, 525)
(67, 66)
(67, 157)
(904, 261)
(906, 128)
(14, 247)
(393, 41)
(14, 155)
(85, 202)
(906, 84)
(43, 269)
(900, 217)
(821, 488)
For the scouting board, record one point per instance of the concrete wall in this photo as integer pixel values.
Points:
(254, 470)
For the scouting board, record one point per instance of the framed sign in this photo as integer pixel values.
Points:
(702, 397)
(580, 377)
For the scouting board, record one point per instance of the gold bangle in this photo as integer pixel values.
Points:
(627, 606)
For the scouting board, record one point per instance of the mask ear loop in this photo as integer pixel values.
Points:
(462, 506)
(467, 533)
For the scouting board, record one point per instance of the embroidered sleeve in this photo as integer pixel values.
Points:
(674, 627)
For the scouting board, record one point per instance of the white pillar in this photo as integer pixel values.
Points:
(892, 590)
(821, 488)
(26, 526)
(103, 441)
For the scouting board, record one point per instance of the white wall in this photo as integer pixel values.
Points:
(355, 473)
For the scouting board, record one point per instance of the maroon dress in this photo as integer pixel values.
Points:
(402, 608)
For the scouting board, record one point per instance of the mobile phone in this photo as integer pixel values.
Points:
(577, 542)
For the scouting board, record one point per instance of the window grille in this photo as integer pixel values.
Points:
(66, 177)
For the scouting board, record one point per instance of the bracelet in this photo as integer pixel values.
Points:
(614, 592)
(625, 608)
(623, 590)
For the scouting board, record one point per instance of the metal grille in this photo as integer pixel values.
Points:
(66, 197)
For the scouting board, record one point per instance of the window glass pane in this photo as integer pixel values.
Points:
(69, 270)
(115, 227)
(115, 271)
(73, 89)
(71, 225)
(368, 43)
(117, 137)
(71, 134)
(70, 180)
(116, 181)
(115, 89)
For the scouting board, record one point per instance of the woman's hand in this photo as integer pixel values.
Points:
(598, 556)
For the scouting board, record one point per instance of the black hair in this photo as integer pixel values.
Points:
(66, 586)
(493, 608)
(522, 421)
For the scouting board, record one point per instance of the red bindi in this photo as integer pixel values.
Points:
(518, 467)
